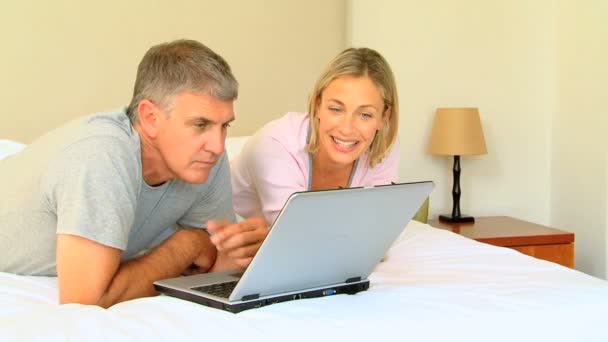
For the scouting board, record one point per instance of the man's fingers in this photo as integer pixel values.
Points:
(244, 252)
(243, 262)
(215, 226)
(251, 237)
(219, 237)
(225, 236)
(254, 222)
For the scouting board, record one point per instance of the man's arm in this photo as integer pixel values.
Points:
(91, 273)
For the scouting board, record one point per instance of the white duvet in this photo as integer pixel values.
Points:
(434, 286)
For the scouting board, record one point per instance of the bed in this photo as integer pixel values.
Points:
(434, 285)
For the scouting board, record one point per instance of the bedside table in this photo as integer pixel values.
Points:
(529, 238)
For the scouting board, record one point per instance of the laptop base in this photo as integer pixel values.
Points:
(351, 288)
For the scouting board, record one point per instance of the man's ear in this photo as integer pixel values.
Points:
(149, 117)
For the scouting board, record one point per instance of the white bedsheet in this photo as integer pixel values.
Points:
(434, 286)
(9, 147)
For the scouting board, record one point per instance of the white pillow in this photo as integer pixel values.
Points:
(8, 147)
(234, 145)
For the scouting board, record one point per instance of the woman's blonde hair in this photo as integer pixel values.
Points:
(360, 62)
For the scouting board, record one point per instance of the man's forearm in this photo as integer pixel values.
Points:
(134, 278)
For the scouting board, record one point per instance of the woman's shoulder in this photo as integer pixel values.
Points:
(289, 123)
(275, 148)
(290, 130)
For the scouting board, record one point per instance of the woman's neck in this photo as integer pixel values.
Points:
(328, 175)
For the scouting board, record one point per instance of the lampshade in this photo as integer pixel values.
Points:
(457, 131)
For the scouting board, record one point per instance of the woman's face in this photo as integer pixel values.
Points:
(350, 111)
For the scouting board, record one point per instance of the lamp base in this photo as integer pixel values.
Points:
(456, 219)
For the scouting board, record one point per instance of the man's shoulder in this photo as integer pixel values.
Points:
(103, 124)
(80, 140)
(93, 143)
(108, 124)
(103, 132)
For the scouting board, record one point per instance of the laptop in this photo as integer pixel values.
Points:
(322, 243)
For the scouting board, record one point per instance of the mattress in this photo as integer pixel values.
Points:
(433, 285)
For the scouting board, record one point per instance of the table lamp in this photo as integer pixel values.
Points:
(457, 132)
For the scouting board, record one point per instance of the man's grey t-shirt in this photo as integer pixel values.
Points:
(85, 179)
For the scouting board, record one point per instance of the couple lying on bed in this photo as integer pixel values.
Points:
(83, 201)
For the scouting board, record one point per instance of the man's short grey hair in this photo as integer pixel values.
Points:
(172, 68)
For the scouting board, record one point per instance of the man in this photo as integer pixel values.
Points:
(84, 200)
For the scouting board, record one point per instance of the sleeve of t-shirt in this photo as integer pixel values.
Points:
(387, 171)
(215, 198)
(275, 174)
(92, 186)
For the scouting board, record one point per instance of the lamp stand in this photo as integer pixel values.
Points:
(456, 216)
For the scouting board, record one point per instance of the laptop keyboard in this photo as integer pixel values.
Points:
(220, 290)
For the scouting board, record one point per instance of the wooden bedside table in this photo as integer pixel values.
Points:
(529, 238)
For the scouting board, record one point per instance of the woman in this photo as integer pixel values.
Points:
(348, 138)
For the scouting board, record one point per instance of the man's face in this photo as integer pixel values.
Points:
(192, 138)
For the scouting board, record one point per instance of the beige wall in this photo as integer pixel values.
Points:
(580, 123)
(62, 59)
(537, 71)
(494, 55)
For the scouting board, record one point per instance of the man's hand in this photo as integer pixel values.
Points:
(206, 258)
(236, 243)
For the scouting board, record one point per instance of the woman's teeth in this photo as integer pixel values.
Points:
(345, 143)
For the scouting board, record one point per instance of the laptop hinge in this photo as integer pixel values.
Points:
(251, 296)
(353, 279)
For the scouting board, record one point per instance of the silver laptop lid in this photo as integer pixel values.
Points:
(330, 237)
